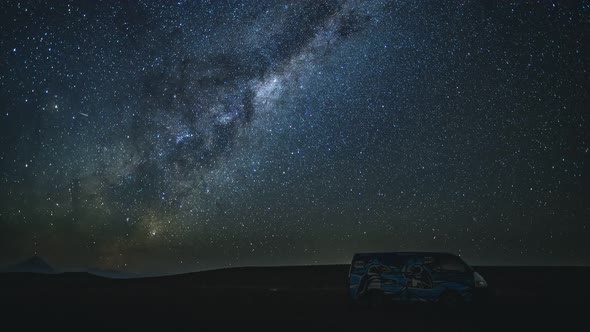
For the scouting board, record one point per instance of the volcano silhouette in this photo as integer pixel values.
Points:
(34, 264)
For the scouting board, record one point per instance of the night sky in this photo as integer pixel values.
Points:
(169, 136)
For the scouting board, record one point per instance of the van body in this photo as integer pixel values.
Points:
(412, 277)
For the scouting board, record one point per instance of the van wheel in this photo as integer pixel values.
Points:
(449, 301)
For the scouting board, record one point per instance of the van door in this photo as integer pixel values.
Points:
(419, 278)
(452, 274)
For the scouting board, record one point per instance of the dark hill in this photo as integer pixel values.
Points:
(34, 264)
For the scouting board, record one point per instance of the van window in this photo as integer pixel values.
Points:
(395, 261)
(358, 264)
(452, 263)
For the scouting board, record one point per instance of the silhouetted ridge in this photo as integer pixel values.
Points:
(34, 264)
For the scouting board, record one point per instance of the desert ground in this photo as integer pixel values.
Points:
(520, 298)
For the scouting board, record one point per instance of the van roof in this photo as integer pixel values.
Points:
(430, 253)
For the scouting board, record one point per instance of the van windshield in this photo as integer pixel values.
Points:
(452, 263)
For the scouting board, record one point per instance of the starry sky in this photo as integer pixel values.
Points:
(171, 136)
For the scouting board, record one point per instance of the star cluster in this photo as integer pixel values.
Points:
(183, 135)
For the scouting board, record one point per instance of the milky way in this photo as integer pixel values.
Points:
(174, 136)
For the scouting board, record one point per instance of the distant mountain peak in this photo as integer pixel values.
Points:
(33, 264)
(36, 260)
